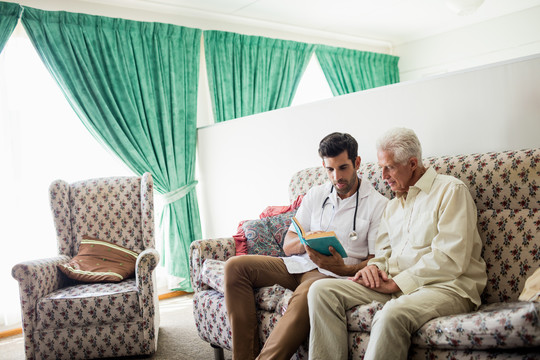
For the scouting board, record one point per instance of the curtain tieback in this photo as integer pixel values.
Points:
(179, 193)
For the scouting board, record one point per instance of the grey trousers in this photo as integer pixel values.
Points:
(391, 329)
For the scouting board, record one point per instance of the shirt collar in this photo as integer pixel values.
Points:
(426, 181)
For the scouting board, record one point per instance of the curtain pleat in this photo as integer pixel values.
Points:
(9, 15)
(252, 74)
(134, 86)
(349, 70)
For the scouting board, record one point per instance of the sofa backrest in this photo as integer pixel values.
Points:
(505, 187)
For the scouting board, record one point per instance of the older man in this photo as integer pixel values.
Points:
(427, 259)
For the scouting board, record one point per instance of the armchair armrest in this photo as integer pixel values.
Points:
(147, 261)
(201, 250)
(145, 278)
(37, 278)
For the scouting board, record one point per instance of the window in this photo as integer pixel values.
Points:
(41, 139)
(313, 85)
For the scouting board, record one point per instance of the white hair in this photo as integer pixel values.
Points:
(402, 143)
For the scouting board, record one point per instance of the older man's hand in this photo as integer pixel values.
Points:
(375, 279)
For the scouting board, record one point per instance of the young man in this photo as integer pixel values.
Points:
(346, 205)
(427, 261)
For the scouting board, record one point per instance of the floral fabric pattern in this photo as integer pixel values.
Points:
(505, 188)
(494, 326)
(200, 251)
(77, 305)
(213, 274)
(67, 320)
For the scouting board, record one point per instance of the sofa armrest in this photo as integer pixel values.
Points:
(37, 278)
(201, 250)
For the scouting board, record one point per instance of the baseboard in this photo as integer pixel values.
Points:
(12, 332)
(172, 294)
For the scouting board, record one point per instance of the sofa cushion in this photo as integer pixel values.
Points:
(273, 298)
(89, 304)
(265, 236)
(500, 325)
(359, 318)
(213, 274)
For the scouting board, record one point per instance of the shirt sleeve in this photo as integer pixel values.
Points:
(452, 246)
(383, 249)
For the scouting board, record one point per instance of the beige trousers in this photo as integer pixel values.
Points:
(245, 273)
(391, 329)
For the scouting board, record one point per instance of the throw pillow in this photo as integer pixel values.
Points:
(100, 261)
(240, 239)
(265, 236)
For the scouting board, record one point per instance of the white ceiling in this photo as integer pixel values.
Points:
(392, 21)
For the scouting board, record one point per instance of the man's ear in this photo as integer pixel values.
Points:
(357, 162)
(413, 163)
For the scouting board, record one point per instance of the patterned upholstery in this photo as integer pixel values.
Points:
(67, 320)
(505, 188)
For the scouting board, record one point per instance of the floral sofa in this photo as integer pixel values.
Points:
(506, 189)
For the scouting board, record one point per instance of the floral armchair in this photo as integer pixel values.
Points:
(65, 319)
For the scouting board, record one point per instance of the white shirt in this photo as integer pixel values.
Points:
(338, 216)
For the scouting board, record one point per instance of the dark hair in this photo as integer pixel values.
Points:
(334, 144)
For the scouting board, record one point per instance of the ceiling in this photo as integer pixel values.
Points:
(391, 21)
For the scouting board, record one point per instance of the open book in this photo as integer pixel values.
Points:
(319, 241)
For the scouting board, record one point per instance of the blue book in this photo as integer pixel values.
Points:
(319, 241)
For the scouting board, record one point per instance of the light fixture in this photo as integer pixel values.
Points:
(463, 7)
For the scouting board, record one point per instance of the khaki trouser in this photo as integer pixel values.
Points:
(391, 329)
(245, 273)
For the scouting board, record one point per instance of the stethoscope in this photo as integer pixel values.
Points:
(352, 235)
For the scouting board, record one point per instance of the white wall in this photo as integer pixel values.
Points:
(508, 37)
(246, 164)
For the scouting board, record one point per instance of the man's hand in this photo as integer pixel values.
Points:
(375, 279)
(333, 263)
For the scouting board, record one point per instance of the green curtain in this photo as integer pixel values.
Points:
(349, 70)
(252, 74)
(9, 15)
(134, 86)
